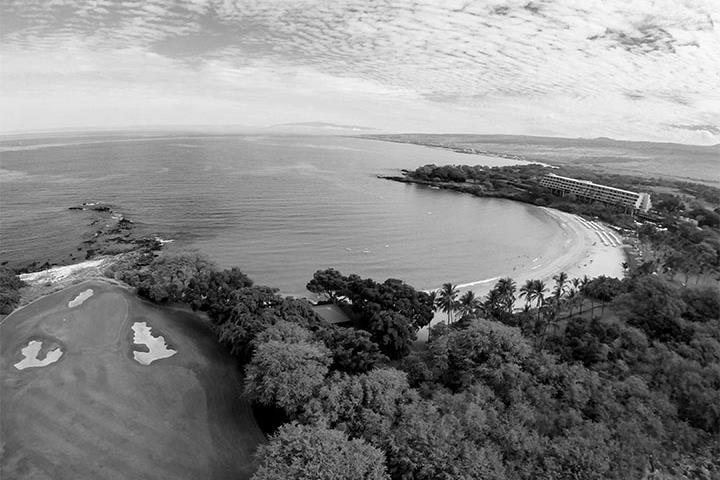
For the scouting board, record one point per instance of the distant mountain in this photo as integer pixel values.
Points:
(325, 126)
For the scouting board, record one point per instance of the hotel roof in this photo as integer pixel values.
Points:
(588, 182)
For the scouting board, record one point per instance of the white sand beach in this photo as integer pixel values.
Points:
(57, 274)
(589, 248)
(46, 282)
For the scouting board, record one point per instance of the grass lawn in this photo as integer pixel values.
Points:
(98, 413)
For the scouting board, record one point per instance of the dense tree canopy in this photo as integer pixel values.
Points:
(391, 311)
(212, 291)
(286, 374)
(353, 351)
(485, 350)
(314, 452)
(655, 306)
(169, 276)
(429, 443)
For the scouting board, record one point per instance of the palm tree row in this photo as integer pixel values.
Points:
(534, 291)
(500, 299)
(566, 294)
(499, 302)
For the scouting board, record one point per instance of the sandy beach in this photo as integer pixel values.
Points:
(588, 248)
(57, 274)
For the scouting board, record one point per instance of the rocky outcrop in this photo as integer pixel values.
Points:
(109, 233)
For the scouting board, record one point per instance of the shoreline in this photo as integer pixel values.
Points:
(583, 253)
(588, 248)
(54, 279)
(583, 247)
(107, 234)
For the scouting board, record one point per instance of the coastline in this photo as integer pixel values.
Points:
(106, 233)
(582, 253)
(583, 247)
(54, 279)
(587, 248)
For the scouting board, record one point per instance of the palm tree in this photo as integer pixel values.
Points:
(506, 288)
(526, 291)
(582, 284)
(534, 291)
(572, 299)
(447, 300)
(469, 304)
(432, 298)
(561, 280)
(493, 303)
(539, 290)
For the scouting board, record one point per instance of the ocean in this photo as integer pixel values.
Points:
(279, 207)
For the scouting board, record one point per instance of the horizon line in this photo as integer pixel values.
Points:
(179, 128)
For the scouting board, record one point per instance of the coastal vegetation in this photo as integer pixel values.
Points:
(592, 378)
(521, 183)
(560, 378)
(10, 285)
(296, 451)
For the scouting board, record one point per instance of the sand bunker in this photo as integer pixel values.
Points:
(30, 352)
(84, 295)
(157, 348)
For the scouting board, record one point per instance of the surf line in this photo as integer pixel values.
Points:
(465, 285)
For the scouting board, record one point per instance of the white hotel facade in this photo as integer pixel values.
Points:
(595, 192)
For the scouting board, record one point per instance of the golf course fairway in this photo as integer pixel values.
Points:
(84, 407)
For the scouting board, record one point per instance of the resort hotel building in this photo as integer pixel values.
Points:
(599, 193)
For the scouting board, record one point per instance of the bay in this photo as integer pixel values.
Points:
(279, 207)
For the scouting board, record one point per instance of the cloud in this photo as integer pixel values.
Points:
(712, 129)
(601, 63)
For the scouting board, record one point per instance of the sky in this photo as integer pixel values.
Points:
(626, 69)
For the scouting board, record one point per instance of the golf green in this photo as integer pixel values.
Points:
(84, 406)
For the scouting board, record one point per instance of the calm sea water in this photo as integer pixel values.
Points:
(278, 207)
